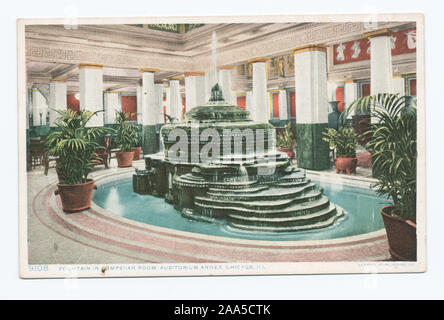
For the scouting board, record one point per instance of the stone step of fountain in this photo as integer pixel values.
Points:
(329, 215)
(291, 184)
(294, 209)
(285, 221)
(242, 190)
(265, 193)
(277, 202)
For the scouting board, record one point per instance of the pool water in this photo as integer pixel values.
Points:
(361, 208)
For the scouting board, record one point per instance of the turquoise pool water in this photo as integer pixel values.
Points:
(361, 213)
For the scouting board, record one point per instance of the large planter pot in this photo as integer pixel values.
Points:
(75, 197)
(124, 159)
(136, 151)
(288, 151)
(401, 235)
(347, 164)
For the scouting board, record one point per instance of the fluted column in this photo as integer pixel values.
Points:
(148, 112)
(91, 91)
(249, 105)
(260, 94)
(283, 109)
(194, 89)
(399, 85)
(139, 102)
(175, 102)
(310, 68)
(225, 83)
(57, 99)
(111, 100)
(158, 88)
(380, 61)
(39, 108)
(350, 94)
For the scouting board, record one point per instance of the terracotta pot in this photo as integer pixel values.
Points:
(288, 151)
(347, 164)
(124, 159)
(401, 235)
(75, 197)
(136, 151)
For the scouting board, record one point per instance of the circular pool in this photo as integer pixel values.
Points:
(361, 213)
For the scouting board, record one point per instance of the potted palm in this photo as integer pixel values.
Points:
(392, 144)
(344, 141)
(284, 141)
(75, 147)
(126, 137)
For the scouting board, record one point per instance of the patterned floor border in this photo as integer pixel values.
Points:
(103, 230)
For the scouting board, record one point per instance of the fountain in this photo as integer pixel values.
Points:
(248, 185)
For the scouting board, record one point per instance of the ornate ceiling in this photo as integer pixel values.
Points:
(54, 51)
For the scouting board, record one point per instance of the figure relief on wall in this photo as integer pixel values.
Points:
(281, 64)
(241, 69)
(411, 39)
(290, 64)
(356, 49)
(250, 70)
(340, 52)
(274, 68)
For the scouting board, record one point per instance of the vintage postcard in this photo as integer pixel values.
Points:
(237, 145)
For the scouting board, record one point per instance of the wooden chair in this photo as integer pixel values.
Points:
(37, 150)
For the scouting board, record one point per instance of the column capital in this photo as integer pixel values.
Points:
(175, 78)
(194, 73)
(58, 80)
(258, 60)
(148, 70)
(377, 33)
(225, 67)
(310, 47)
(90, 66)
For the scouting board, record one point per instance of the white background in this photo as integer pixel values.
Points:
(394, 286)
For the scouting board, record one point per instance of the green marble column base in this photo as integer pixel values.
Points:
(311, 151)
(149, 139)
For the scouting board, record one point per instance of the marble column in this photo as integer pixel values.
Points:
(91, 91)
(158, 88)
(194, 89)
(310, 68)
(175, 103)
(380, 61)
(249, 105)
(399, 85)
(57, 99)
(139, 102)
(283, 107)
(112, 105)
(39, 108)
(148, 112)
(350, 95)
(260, 94)
(225, 83)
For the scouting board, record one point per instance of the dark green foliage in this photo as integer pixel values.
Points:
(344, 141)
(393, 148)
(74, 144)
(285, 138)
(127, 133)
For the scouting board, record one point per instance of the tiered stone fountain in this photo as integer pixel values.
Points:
(232, 188)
